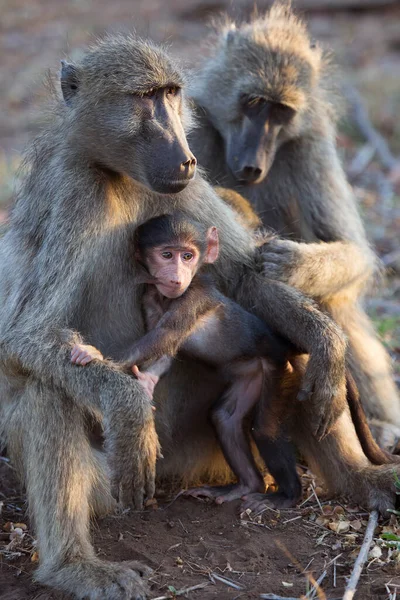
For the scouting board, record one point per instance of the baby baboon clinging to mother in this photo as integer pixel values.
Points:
(183, 311)
(113, 156)
(266, 114)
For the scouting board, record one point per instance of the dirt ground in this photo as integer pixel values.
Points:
(192, 543)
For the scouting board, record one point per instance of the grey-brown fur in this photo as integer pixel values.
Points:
(66, 275)
(303, 193)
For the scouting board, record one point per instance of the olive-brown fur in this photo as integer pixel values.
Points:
(66, 275)
(302, 193)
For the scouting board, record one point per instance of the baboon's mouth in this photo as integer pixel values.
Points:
(170, 187)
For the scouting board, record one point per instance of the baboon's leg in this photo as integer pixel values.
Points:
(274, 445)
(370, 366)
(60, 473)
(101, 501)
(339, 460)
(280, 459)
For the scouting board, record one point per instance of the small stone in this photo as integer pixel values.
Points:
(375, 552)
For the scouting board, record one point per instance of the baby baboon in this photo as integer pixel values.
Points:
(113, 156)
(183, 311)
(267, 129)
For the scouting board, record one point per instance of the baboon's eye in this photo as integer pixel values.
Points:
(166, 255)
(256, 102)
(187, 256)
(149, 93)
(281, 113)
(172, 90)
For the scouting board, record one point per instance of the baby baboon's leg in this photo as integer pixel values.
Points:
(60, 472)
(228, 417)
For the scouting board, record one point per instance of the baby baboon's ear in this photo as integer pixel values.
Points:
(212, 251)
(69, 81)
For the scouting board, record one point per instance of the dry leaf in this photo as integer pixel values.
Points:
(339, 526)
(357, 525)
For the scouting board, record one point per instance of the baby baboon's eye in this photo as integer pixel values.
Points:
(187, 256)
(166, 255)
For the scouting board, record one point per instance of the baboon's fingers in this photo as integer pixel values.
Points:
(86, 359)
(142, 569)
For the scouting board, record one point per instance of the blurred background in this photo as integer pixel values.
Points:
(364, 36)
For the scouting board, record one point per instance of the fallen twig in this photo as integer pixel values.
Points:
(275, 597)
(192, 588)
(362, 557)
(226, 581)
(316, 586)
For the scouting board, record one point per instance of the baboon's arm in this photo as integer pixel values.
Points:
(320, 270)
(311, 179)
(131, 441)
(298, 319)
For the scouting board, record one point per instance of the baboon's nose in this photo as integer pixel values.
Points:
(188, 167)
(250, 174)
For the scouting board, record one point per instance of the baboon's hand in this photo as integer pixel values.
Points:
(325, 392)
(282, 259)
(132, 446)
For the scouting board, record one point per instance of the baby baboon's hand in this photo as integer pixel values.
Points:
(132, 446)
(83, 354)
(146, 379)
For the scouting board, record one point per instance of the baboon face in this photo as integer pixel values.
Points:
(125, 103)
(256, 88)
(252, 140)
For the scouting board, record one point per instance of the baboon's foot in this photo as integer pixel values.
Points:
(98, 580)
(222, 493)
(386, 434)
(377, 490)
(258, 503)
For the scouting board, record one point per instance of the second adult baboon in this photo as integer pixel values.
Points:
(267, 129)
(114, 155)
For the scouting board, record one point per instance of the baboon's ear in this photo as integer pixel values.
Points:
(212, 251)
(69, 81)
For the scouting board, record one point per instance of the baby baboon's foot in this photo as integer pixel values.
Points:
(98, 580)
(222, 493)
(258, 503)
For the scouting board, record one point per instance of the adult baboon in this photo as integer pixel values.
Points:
(114, 155)
(267, 128)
